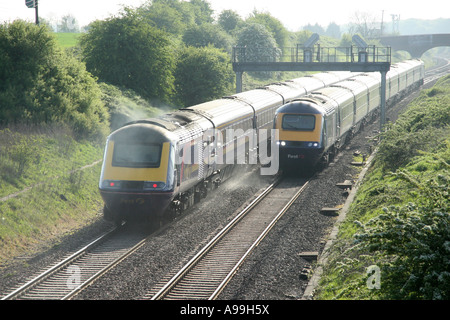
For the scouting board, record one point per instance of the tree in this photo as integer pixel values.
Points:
(261, 46)
(206, 34)
(273, 25)
(202, 10)
(365, 24)
(66, 92)
(24, 52)
(315, 29)
(170, 17)
(68, 24)
(230, 20)
(202, 74)
(174, 16)
(42, 84)
(333, 30)
(128, 52)
(257, 44)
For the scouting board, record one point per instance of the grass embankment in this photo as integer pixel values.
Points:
(51, 196)
(399, 222)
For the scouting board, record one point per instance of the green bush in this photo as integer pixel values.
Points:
(43, 84)
(202, 74)
(424, 126)
(415, 242)
(128, 52)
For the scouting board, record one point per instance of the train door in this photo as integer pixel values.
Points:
(211, 144)
(333, 131)
(337, 127)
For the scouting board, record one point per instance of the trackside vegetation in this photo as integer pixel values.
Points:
(48, 186)
(399, 222)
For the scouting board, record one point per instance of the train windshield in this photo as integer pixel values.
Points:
(299, 122)
(136, 155)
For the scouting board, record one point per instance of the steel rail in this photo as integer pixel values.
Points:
(96, 264)
(104, 270)
(222, 285)
(187, 267)
(221, 282)
(33, 282)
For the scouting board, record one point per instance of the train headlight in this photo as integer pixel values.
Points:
(312, 144)
(283, 143)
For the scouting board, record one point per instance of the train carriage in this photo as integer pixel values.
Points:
(372, 81)
(392, 82)
(360, 98)
(314, 127)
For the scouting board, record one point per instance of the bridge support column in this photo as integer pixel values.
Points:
(383, 101)
(238, 82)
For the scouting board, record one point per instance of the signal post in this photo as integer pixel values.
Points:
(33, 4)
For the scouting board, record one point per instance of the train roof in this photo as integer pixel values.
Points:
(223, 111)
(371, 79)
(332, 77)
(139, 130)
(302, 105)
(338, 94)
(357, 87)
(287, 90)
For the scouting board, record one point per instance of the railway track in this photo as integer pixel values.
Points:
(70, 276)
(232, 245)
(438, 72)
(208, 272)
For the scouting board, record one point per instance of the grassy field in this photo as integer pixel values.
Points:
(67, 40)
(399, 222)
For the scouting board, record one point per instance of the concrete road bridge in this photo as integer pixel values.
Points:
(417, 45)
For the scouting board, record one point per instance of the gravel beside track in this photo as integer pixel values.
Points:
(272, 271)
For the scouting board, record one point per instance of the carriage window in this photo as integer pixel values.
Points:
(136, 155)
(299, 122)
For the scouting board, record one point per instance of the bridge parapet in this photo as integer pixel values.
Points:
(417, 45)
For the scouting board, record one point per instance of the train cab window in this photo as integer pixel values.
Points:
(299, 122)
(136, 155)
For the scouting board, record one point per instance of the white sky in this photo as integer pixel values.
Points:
(294, 14)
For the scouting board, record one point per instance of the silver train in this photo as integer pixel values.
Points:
(158, 167)
(314, 127)
(161, 166)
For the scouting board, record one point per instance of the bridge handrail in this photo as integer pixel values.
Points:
(300, 54)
